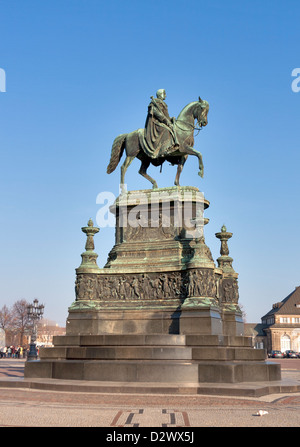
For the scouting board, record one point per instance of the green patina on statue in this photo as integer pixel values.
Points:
(162, 139)
(160, 311)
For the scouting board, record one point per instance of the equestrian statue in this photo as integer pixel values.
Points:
(162, 139)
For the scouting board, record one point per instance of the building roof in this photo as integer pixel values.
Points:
(282, 326)
(288, 306)
(254, 329)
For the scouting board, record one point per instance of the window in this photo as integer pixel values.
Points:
(284, 320)
(296, 320)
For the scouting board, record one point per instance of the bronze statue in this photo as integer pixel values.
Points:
(162, 139)
(160, 134)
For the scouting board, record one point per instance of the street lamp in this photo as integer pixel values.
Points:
(34, 313)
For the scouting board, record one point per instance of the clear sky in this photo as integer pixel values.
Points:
(81, 72)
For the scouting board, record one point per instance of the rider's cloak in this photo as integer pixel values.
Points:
(158, 136)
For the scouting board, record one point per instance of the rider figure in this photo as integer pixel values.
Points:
(160, 135)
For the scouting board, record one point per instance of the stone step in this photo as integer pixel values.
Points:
(152, 353)
(150, 371)
(218, 340)
(133, 371)
(118, 340)
(154, 339)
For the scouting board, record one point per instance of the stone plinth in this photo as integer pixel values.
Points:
(154, 358)
(159, 260)
(160, 310)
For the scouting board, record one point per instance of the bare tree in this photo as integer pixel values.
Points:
(20, 321)
(5, 318)
(244, 315)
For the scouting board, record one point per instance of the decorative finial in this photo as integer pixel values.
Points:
(90, 231)
(89, 257)
(201, 253)
(224, 261)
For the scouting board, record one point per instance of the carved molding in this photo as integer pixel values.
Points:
(146, 286)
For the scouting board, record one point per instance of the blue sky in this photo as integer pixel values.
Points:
(79, 73)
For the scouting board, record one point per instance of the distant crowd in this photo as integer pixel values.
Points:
(16, 352)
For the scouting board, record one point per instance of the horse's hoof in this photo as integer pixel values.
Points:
(123, 189)
(200, 173)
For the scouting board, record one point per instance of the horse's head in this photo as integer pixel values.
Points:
(202, 111)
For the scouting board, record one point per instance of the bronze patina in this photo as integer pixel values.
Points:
(162, 139)
(160, 315)
(160, 134)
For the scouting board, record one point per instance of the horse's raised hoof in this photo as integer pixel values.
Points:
(201, 173)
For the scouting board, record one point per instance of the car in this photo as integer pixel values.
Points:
(291, 354)
(277, 354)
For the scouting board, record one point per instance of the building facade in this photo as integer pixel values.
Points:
(280, 327)
(46, 330)
(256, 332)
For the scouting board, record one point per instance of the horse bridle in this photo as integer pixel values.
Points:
(192, 125)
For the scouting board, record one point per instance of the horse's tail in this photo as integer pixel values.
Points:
(116, 152)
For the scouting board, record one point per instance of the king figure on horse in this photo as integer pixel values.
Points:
(160, 136)
(162, 139)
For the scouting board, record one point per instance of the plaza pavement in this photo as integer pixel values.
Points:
(27, 407)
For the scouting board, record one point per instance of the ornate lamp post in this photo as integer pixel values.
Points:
(34, 313)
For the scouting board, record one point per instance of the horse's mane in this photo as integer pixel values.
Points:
(188, 106)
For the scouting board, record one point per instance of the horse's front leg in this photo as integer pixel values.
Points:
(191, 151)
(201, 167)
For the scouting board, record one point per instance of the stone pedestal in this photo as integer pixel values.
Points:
(158, 261)
(156, 359)
(160, 310)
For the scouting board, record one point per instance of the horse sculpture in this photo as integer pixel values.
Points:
(184, 127)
